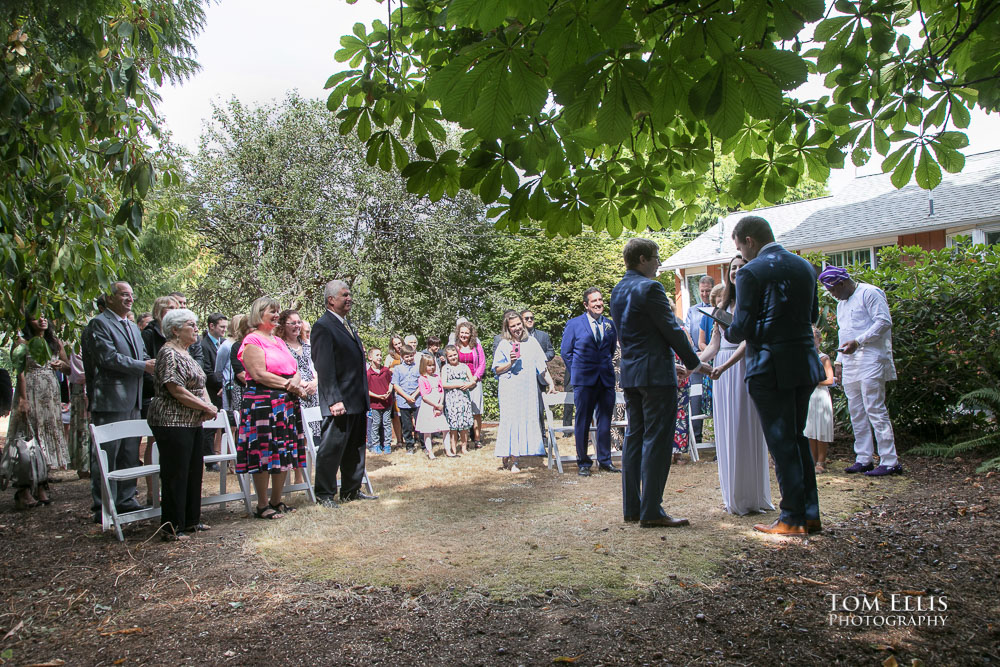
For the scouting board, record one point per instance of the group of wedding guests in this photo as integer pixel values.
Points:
(258, 368)
(416, 395)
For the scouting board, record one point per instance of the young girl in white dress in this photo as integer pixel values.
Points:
(819, 423)
(430, 416)
(744, 474)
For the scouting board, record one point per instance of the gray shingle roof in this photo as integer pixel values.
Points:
(869, 207)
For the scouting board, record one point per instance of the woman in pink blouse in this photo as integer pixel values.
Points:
(270, 438)
(470, 352)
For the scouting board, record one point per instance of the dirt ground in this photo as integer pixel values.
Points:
(440, 572)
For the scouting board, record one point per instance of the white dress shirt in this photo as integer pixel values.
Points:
(864, 317)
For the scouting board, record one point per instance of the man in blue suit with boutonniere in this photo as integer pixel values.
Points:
(776, 305)
(649, 336)
(588, 344)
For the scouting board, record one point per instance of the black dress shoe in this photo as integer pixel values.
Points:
(631, 519)
(664, 522)
(609, 468)
(327, 503)
(583, 472)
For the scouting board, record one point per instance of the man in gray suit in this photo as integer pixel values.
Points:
(114, 350)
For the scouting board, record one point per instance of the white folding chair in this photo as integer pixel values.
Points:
(224, 458)
(565, 398)
(694, 445)
(310, 416)
(132, 428)
(558, 398)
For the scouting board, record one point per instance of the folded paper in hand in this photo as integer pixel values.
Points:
(723, 317)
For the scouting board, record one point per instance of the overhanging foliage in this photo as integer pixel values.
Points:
(609, 113)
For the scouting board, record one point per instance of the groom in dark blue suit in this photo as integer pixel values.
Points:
(776, 306)
(648, 330)
(588, 344)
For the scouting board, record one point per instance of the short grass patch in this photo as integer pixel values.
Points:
(461, 524)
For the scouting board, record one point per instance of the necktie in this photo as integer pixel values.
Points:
(128, 337)
(598, 331)
(349, 330)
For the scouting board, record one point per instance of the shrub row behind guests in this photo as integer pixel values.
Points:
(176, 412)
(270, 441)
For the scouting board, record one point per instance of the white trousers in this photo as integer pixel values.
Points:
(866, 402)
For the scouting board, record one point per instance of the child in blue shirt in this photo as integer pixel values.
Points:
(405, 377)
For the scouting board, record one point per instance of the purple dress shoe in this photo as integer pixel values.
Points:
(885, 470)
(859, 467)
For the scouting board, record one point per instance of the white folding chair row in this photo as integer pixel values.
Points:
(139, 428)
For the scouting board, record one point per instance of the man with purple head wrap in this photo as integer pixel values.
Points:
(864, 364)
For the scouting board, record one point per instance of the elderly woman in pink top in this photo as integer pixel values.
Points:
(470, 352)
(271, 441)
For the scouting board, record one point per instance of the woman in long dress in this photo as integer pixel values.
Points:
(518, 362)
(37, 410)
(744, 475)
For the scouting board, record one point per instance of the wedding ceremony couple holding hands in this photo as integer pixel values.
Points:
(774, 304)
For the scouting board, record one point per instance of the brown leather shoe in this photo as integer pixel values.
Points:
(781, 528)
(664, 522)
(813, 526)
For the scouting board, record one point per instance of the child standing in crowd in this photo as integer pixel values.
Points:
(434, 350)
(819, 422)
(457, 380)
(380, 393)
(430, 417)
(405, 378)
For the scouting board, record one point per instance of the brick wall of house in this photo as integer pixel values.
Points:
(933, 240)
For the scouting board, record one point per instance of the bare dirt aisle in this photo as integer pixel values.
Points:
(441, 572)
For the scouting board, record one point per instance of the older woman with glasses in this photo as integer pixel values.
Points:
(175, 415)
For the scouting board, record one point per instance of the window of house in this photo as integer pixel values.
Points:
(847, 257)
(992, 236)
(959, 240)
(692, 288)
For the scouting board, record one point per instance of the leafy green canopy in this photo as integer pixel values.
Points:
(607, 112)
(76, 113)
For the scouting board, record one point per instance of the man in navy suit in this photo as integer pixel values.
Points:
(339, 357)
(776, 305)
(588, 344)
(648, 331)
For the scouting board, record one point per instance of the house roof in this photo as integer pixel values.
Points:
(869, 207)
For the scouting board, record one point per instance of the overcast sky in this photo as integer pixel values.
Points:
(257, 50)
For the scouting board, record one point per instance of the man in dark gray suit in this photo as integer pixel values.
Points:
(647, 331)
(339, 357)
(114, 350)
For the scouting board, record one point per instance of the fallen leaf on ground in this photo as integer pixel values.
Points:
(564, 658)
(17, 627)
(123, 631)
